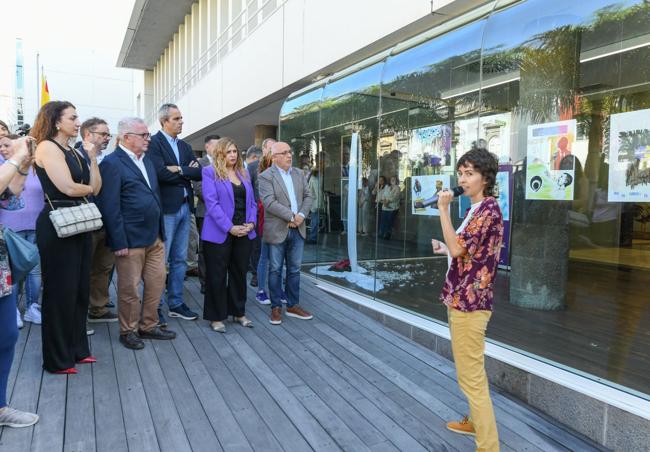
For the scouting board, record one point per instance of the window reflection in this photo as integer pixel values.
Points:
(570, 287)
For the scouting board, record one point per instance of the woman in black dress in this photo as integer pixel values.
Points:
(66, 179)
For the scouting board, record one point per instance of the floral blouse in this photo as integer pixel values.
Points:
(469, 285)
(8, 202)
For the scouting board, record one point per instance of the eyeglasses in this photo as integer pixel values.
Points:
(103, 134)
(282, 153)
(144, 136)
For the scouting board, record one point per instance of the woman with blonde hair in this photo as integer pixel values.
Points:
(67, 179)
(227, 235)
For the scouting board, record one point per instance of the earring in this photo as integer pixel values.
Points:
(58, 128)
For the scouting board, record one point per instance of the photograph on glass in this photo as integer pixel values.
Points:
(550, 165)
(629, 157)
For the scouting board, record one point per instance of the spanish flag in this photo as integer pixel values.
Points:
(45, 91)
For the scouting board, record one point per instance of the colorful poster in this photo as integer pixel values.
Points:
(550, 165)
(502, 193)
(424, 191)
(431, 146)
(629, 157)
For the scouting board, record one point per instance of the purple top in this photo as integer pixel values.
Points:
(469, 285)
(220, 206)
(25, 219)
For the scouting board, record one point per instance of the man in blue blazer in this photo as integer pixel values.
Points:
(176, 168)
(135, 230)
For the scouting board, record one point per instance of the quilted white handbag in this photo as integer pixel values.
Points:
(68, 221)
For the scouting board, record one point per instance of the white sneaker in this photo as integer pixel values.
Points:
(33, 314)
(19, 321)
(14, 418)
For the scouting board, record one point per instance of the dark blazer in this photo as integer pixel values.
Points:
(131, 210)
(253, 169)
(220, 207)
(172, 184)
(198, 191)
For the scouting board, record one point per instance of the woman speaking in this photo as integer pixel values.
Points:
(473, 254)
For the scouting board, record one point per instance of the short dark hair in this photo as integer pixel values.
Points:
(210, 138)
(90, 122)
(253, 150)
(485, 163)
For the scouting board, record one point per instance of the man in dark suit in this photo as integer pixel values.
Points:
(135, 230)
(176, 166)
(252, 163)
(210, 144)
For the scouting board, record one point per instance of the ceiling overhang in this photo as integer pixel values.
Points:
(150, 29)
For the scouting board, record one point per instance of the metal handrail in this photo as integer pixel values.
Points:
(214, 50)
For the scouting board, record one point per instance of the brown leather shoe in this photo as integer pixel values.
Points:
(299, 313)
(192, 272)
(464, 426)
(276, 316)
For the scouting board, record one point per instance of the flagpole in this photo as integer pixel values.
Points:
(38, 84)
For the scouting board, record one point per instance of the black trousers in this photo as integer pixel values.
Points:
(199, 227)
(225, 282)
(255, 255)
(65, 272)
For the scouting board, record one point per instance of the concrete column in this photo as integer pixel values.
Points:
(263, 131)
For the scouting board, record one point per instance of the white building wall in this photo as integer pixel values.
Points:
(272, 50)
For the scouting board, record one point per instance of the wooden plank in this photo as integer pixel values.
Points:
(254, 426)
(18, 356)
(48, 433)
(110, 432)
(79, 412)
(285, 432)
(375, 387)
(223, 422)
(306, 425)
(341, 399)
(335, 427)
(26, 393)
(402, 380)
(164, 413)
(513, 430)
(197, 428)
(400, 427)
(138, 423)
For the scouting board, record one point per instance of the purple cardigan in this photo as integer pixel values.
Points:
(220, 206)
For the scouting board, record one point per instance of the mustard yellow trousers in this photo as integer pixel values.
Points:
(468, 346)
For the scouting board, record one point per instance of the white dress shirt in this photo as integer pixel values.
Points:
(139, 162)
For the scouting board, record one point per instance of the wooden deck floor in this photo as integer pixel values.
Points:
(340, 381)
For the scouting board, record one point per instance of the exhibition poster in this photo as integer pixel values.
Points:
(424, 192)
(431, 146)
(550, 164)
(629, 157)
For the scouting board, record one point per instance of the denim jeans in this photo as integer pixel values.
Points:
(177, 230)
(263, 266)
(313, 226)
(386, 225)
(290, 251)
(33, 279)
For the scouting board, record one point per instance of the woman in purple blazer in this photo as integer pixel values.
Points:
(227, 235)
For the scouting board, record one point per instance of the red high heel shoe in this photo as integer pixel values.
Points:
(70, 371)
(87, 360)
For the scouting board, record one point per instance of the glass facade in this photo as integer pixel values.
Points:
(560, 92)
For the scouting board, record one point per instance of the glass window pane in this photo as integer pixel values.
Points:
(561, 70)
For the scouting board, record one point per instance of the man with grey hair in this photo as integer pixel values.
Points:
(135, 230)
(177, 167)
(287, 201)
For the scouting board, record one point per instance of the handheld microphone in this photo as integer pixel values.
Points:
(432, 201)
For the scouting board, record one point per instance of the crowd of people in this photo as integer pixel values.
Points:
(250, 214)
